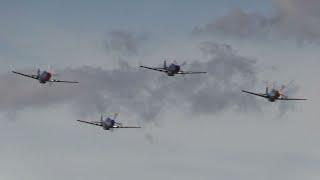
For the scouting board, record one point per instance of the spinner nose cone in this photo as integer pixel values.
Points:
(49, 76)
(113, 122)
(277, 94)
(178, 68)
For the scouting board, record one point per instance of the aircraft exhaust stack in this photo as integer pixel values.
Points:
(165, 64)
(267, 90)
(101, 118)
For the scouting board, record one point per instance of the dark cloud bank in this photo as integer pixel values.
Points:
(140, 91)
(293, 19)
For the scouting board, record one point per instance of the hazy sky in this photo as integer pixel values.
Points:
(196, 127)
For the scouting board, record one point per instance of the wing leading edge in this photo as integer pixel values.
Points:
(126, 127)
(26, 75)
(55, 80)
(191, 72)
(155, 69)
(292, 99)
(92, 123)
(256, 94)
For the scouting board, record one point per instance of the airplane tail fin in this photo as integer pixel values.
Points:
(165, 64)
(267, 87)
(38, 72)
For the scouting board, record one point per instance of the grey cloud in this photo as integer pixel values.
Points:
(124, 42)
(142, 92)
(294, 19)
(236, 23)
(98, 90)
(228, 74)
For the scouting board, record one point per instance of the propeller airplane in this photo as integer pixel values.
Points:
(172, 69)
(274, 94)
(43, 77)
(108, 123)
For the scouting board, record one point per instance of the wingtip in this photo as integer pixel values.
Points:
(74, 82)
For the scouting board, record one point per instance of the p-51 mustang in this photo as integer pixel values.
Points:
(172, 69)
(43, 77)
(108, 123)
(273, 95)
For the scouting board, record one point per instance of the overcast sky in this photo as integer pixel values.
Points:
(194, 127)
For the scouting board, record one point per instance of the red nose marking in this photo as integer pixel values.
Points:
(48, 76)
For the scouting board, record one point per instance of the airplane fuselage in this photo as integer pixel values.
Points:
(273, 95)
(108, 123)
(44, 77)
(173, 69)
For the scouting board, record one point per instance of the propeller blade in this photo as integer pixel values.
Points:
(175, 62)
(273, 85)
(282, 93)
(51, 71)
(267, 84)
(183, 64)
(284, 96)
(118, 124)
(115, 116)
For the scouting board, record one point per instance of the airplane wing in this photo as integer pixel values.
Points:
(293, 99)
(155, 69)
(55, 80)
(190, 72)
(93, 123)
(256, 94)
(126, 127)
(26, 75)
